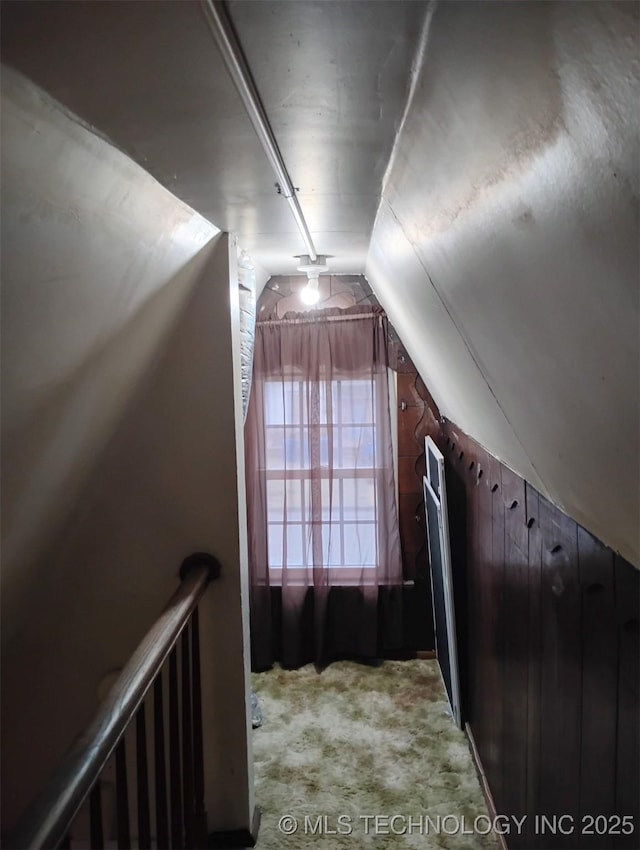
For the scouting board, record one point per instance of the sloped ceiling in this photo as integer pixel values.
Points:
(332, 76)
(505, 248)
(501, 172)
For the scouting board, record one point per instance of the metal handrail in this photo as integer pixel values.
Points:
(48, 818)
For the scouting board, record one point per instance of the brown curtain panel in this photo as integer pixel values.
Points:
(321, 498)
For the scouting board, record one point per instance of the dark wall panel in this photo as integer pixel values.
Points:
(561, 670)
(490, 486)
(551, 657)
(599, 686)
(516, 645)
(529, 784)
(627, 581)
(416, 417)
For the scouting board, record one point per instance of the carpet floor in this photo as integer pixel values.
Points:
(364, 757)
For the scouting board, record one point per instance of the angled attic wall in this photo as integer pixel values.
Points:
(505, 247)
(97, 260)
(122, 443)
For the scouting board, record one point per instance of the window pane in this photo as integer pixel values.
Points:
(360, 545)
(327, 404)
(293, 554)
(273, 404)
(282, 402)
(293, 444)
(357, 448)
(359, 498)
(342, 435)
(275, 501)
(286, 448)
(275, 545)
(279, 509)
(274, 448)
(356, 402)
(331, 545)
(292, 403)
(325, 454)
(330, 500)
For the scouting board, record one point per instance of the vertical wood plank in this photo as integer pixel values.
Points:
(490, 482)
(408, 440)
(486, 614)
(456, 498)
(516, 651)
(409, 482)
(561, 681)
(412, 532)
(467, 521)
(475, 598)
(627, 581)
(407, 391)
(534, 666)
(599, 685)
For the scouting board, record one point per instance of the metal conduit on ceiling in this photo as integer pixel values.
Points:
(222, 29)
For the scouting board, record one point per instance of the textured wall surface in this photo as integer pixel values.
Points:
(97, 261)
(122, 443)
(505, 250)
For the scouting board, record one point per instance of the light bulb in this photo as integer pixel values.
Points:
(309, 295)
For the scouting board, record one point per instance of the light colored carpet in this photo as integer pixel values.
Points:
(364, 757)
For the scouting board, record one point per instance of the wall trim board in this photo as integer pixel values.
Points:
(484, 785)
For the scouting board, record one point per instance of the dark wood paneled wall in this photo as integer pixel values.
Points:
(417, 418)
(552, 663)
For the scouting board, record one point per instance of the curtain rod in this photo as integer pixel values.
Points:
(308, 321)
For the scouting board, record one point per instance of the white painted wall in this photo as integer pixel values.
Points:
(121, 442)
(505, 248)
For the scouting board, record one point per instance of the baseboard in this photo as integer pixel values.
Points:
(236, 839)
(484, 784)
(426, 654)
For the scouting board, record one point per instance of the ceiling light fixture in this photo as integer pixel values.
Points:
(310, 294)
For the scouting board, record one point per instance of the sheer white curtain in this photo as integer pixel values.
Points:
(320, 482)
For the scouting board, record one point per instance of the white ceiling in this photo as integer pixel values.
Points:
(505, 245)
(332, 76)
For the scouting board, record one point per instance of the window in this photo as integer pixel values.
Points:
(321, 500)
(321, 477)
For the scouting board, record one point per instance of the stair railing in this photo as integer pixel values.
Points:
(178, 781)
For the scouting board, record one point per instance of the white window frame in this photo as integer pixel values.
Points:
(343, 574)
